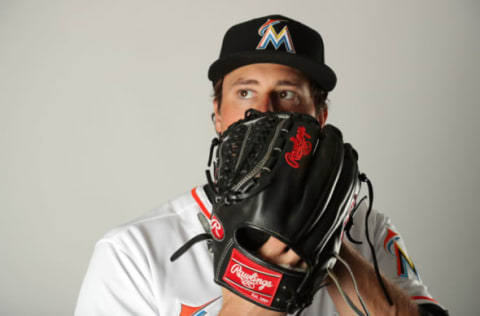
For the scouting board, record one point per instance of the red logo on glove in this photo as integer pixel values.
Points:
(301, 147)
(251, 279)
(217, 228)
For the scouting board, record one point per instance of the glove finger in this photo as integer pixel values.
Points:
(289, 178)
(329, 224)
(277, 252)
(323, 171)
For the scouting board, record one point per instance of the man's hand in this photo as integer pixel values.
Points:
(277, 252)
(234, 305)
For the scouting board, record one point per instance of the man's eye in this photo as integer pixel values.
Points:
(245, 94)
(287, 95)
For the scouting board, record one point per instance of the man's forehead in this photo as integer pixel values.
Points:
(256, 74)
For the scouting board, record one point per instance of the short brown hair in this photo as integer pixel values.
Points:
(319, 96)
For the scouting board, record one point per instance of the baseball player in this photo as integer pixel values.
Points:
(157, 264)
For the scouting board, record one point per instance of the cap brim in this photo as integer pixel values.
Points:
(321, 74)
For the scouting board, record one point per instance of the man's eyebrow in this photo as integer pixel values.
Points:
(288, 83)
(241, 81)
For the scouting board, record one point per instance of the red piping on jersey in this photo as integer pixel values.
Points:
(424, 298)
(200, 203)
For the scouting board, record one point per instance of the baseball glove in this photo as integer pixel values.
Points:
(280, 174)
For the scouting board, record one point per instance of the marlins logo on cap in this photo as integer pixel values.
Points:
(269, 35)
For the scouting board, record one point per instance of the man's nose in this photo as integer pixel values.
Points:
(266, 103)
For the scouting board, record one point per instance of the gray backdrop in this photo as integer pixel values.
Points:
(104, 114)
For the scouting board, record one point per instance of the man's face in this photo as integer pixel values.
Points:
(264, 87)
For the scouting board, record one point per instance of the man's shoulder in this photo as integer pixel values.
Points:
(131, 272)
(175, 220)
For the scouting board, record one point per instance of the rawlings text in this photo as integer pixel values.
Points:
(301, 147)
(250, 280)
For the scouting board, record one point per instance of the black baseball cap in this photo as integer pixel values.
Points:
(274, 39)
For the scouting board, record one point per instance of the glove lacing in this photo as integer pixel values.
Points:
(332, 275)
(342, 292)
(365, 179)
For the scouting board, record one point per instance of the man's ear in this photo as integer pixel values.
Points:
(322, 117)
(217, 119)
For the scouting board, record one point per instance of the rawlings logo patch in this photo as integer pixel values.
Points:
(217, 229)
(301, 147)
(269, 35)
(251, 279)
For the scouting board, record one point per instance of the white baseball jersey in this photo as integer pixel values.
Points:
(130, 272)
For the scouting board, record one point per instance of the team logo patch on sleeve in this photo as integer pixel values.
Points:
(251, 279)
(404, 263)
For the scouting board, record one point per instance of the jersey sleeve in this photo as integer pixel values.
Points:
(115, 285)
(396, 264)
